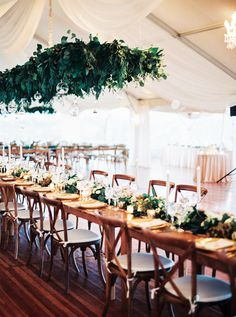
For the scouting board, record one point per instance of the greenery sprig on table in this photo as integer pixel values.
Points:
(211, 224)
(87, 68)
(145, 202)
(19, 172)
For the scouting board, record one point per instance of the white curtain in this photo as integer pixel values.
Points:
(5, 5)
(19, 23)
(107, 16)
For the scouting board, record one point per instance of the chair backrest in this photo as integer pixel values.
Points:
(112, 247)
(55, 210)
(95, 173)
(188, 188)
(153, 183)
(228, 261)
(33, 203)
(8, 193)
(48, 164)
(170, 242)
(118, 177)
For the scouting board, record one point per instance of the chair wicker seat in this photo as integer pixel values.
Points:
(79, 236)
(143, 262)
(209, 289)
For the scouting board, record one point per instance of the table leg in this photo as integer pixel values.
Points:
(108, 256)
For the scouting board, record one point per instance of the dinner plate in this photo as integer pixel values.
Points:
(92, 204)
(67, 196)
(8, 179)
(148, 223)
(42, 189)
(22, 183)
(213, 244)
(89, 204)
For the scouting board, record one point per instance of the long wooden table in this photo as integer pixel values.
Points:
(204, 258)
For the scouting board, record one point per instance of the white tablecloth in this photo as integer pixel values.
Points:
(213, 166)
(179, 156)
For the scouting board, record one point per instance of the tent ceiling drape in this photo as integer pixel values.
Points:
(200, 82)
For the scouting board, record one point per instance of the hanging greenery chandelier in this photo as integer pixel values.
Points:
(79, 68)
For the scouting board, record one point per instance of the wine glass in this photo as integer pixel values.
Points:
(109, 194)
(115, 196)
(133, 187)
(194, 199)
(171, 210)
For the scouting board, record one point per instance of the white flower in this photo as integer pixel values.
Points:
(47, 175)
(233, 236)
(190, 209)
(71, 181)
(229, 220)
(98, 192)
(211, 214)
(51, 185)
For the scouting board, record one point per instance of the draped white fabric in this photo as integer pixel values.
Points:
(19, 23)
(107, 16)
(5, 6)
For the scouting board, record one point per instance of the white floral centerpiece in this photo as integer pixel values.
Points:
(20, 172)
(45, 179)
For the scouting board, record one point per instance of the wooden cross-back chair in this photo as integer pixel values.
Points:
(193, 292)
(131, 267)
(229, 261)
(122, 177)
(153, 183)
(39, 228)
(14, 215)
(95, 173)
(48, 164)
(152, 190)
(179, 189)
(69, 240)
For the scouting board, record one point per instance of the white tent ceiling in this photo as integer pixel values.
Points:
(202, 71)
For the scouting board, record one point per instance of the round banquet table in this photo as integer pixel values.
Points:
(179, 156)
(213, 166)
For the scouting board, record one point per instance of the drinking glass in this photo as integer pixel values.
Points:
(109, 194)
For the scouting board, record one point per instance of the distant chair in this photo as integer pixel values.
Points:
(122, 177)
(48, 164)
(157, 183)
(95, 173)
(188, 188)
